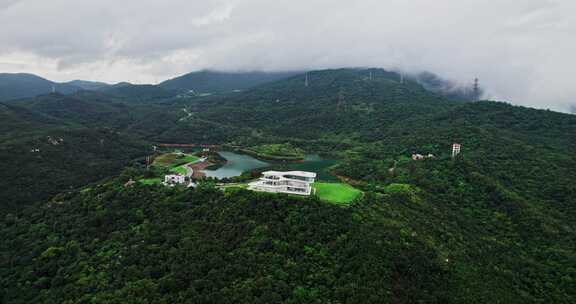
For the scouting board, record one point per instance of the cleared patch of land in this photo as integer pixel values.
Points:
(174, 160)
(337, 193)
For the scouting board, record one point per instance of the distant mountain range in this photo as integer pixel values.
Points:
(13, 86)
(16, 86)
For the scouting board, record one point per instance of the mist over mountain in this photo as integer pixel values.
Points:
(287, 151)
(522, 55)
(450, 89)
(28, 85)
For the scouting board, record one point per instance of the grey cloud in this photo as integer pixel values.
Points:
(6, 3)
(520, 49)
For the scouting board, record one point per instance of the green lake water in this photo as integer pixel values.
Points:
(239, 163)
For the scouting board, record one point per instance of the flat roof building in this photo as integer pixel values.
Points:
(291, 182)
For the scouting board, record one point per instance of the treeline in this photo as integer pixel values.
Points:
(110, 244)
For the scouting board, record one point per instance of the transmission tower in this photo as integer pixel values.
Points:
(476, 90)
(306, 81)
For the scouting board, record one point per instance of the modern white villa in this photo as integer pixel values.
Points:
(292, 182)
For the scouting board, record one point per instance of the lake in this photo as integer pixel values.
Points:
(239, 163)
(236, 164)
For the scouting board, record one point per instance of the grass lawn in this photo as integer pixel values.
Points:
(174, 159)
(189, 158)
(151, 181)
(179, 169)
(337, 193)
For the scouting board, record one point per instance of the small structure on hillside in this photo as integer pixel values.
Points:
(55, 140)
(456, 150)
(129, 183)
(174, 179)
(291, 182)
(416, 156)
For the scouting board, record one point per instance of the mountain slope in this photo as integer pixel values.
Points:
(201, 246)
(335, 102)
(138, 93)
(36, 164)
(55, 159)
(13, 86)
(214, 81)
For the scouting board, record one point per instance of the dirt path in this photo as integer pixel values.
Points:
(198, 167)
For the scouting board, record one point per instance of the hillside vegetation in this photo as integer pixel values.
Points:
(495, 224)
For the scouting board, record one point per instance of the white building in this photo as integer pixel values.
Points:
(174, 179)
(292, 182)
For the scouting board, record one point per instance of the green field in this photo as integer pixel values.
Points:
(180, 170)
(337, 193)
(175, 162)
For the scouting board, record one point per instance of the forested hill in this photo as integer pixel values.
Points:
(345, 102)
(496, 224)
(454, 239)
(337, 111)
(214, 81)
(22, 85)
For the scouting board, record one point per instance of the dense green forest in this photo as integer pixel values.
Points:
(495, 224)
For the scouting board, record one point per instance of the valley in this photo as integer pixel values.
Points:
(493, 224)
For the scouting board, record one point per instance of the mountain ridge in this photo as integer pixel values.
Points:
(212, 81)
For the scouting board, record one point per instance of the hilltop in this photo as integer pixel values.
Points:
(215, 81)
(21, 85)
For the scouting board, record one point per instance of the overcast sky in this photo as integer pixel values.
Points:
(522, 50)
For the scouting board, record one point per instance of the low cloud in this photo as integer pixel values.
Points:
(521, 50)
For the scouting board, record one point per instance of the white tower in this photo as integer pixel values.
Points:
(455, 150)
